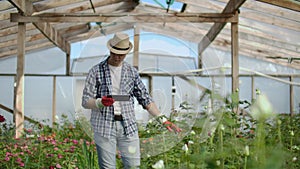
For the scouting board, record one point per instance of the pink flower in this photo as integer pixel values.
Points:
(51, 167)
(8, 154)
(55, 148)
(75, 142)
(19, 160)
(58, 166)
(59, 156)
(28, 130)
(22, 164)
(49, 155)
(53, 142)
(7, 159)
(2, 119)
(66, 140)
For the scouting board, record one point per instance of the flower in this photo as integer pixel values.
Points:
(222, 127)
(58, 166)
(247, 150)
(294, 159)
(2, 119)
(185, 148)
(292, 133)
(262, 109)
(190, 142)
(7, 159)
(75, 141)
(159, 165)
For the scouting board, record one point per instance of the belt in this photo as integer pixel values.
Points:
(118, 117)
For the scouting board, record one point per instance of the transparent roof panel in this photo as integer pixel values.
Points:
(148, 63)
(167, 4)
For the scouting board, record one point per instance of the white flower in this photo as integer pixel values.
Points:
(247, 150)
(279, 121)
(56, 117)
(185, 148)
(262, 109)
(193, 132)
(159, 165)
(294, 159)
(218, 162)
(257, 91)
(190, 142)
(150, 121)
(222, 127)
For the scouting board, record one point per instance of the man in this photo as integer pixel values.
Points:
(113, 121)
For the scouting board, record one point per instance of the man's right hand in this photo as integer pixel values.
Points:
(107, 101)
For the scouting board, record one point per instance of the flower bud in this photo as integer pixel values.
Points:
(247, 150)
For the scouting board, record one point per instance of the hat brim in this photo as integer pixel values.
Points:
(119, 51)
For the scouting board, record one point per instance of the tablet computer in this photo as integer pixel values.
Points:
(120, 97)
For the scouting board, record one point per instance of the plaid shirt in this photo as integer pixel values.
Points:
(98, 84)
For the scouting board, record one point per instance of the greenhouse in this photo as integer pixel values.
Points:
(226, 73)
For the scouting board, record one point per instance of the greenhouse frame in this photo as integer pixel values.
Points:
(187, 52)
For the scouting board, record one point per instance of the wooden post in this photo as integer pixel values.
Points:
(235, 57)
(253, 92)
(54, 102)
(291, 97)
(68, 63)
(200, 61)
(136, 47)
(19, 83)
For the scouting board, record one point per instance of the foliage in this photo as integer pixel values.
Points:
(235, 141)
(44, 147)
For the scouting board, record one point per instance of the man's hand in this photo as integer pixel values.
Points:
(171, 126)
(107, 101)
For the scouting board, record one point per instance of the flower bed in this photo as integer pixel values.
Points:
(235, 141)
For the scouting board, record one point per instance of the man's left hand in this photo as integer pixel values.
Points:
(171, 126)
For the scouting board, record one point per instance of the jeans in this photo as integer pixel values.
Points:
(129, 148)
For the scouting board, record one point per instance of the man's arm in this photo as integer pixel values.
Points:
(91, 104)
(153, 110)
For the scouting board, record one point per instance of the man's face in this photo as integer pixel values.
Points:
(116, 59)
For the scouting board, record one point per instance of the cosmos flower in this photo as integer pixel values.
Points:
(185, 148)
(262, 109)
(159, 165)
(247, 150)
(2, 119)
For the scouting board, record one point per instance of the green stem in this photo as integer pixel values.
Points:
(260, 144)
(279, 135)
(245, 165)
(221, 146)
(165, 154)
(40, 145)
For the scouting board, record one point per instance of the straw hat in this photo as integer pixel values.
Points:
(119, 44)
